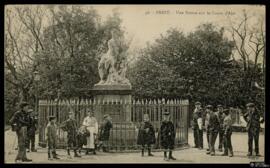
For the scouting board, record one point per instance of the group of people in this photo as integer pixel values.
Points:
(90, 137)
(86, 136)
(220, 124)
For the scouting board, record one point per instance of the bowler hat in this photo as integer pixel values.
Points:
(198, 103)
(70, 113)
(51, 118)
(250, 105)
(219, 105)
(23, 104)
(106, 116)
(209, 107)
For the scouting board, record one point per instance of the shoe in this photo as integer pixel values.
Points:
(150, 154)
(28, 150)
(212, 154)
(18, 161)
(171, 157)
(166, 159)
(220, 149)
(207, 149)
(230, 155)
(208, 152)
(77, 156)
(27, 160)
(257, 154)
(94, 152)
(33, 150)
(224, 154)
(249, 154)
(194, 146)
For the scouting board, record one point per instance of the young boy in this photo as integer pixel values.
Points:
(70, 126)
(51, 136)
(146, 135)
(167, 136)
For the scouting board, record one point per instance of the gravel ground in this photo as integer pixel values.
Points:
(187, 155)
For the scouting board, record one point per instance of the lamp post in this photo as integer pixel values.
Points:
(36, 79)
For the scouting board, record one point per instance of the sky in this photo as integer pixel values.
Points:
(146, 22)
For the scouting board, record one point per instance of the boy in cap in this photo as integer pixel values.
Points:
(252, 118)
(221, 117)
(213, 129)
(51, 136)
(227, 129)
(104, 134)
(70, 126)
(167, 136)
(20, 121)
(197, 126)
(146, 135)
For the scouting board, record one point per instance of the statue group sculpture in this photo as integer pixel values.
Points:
(113, 64)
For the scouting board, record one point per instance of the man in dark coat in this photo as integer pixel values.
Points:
(70, 126)
(221, 117)
(31, 131)
(104, 134)
(146, 135)
(227, 130)
(20, 121)
(213, 127)
(253, 120)
(167, 137)
(197, 126)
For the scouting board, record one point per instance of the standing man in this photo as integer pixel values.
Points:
(21, 121)
(197, 126)
(146, 135)
(92, 126)
(71, 127)
(31, 131)
(253, 120)
(167, 136)
(51, 136)
(206, 125)
(221, 117)
(213, 129)
(227, 128)
(105, 132)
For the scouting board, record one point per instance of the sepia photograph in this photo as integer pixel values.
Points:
(166, 84)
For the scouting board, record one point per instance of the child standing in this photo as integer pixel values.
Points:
(146, 135)
(167, 136)
(51, 136)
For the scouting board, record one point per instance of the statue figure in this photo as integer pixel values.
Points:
(112, 65)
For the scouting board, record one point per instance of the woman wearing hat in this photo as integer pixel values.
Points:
(92, 126)
(104, 134)
(146, 135)
(167, 136)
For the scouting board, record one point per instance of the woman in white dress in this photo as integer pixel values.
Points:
(92, 126)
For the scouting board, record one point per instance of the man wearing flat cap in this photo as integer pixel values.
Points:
(167, 137)
(70, 125)
(20, 121)
(221, 117)
(253, 120)
(197, 124)
(213, 127)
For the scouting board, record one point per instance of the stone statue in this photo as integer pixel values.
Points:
(112, 65)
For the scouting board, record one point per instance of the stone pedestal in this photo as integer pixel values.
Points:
(114, 100)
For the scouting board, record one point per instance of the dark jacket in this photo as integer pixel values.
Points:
(70, 126)
(31, 129)
(146, 134)
(253, 120)
(167, 133)
(213, 123)
(196, 115)
(19, 119)
(105, 130)
(82, 136)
